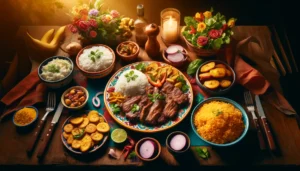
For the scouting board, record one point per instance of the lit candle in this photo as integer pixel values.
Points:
(170, 30)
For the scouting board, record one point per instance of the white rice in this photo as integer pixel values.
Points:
(100, 64)
(133, 87)
(62, 67)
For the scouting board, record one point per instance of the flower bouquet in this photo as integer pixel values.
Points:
(100, 26)
(205, 33)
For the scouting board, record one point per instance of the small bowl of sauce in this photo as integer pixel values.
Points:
(178, 142)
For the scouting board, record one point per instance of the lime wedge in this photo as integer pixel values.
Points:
(118, 135)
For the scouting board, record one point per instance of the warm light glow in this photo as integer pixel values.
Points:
(170, 30)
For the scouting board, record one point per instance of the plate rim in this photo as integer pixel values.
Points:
(139, 130)
(105, 138)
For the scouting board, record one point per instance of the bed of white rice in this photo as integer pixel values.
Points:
(100, 64)
(133, 87)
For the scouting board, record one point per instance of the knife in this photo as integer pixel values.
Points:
(50, 131)
(264, 123)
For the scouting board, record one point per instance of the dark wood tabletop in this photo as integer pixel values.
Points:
(286, 133)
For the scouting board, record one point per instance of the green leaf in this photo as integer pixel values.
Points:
(227, 40)
(193, 66)
(217, 43)
(202, 152)
(92, 53)
(185, 88)
(115, 108)
(210, 21)
(189, 21)
(141, 67)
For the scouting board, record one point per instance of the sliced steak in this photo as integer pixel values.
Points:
(155, 112)
(178, 96)
(127, 105)
(149, 90)
(171, 109)
(133, 117)
(144, 101)
(145, 111)
(167, 87)
(162, 119)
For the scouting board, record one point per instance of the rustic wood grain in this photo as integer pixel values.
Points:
(13, 142)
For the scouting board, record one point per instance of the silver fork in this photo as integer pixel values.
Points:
(250, 108)
(51, 102)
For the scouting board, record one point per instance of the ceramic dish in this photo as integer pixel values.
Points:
(96, 146)
(98, 74)
(157, 149)
(219, 90)
(131, 57)
(59, 83)
(236, 105)
(83, 103)
(30, 123)
(139, 126)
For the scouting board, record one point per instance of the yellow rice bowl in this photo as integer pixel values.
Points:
(219, 122)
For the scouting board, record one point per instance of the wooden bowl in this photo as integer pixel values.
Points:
(198, 51)
(77, 107)
(138, 144)
(176, 64)
(128, 58)
(98, 74)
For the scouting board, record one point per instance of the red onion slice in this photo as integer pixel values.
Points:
(147, 149)
(178, 142)
(177, 57)
(174, 49)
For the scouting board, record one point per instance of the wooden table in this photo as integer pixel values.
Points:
(287, 135)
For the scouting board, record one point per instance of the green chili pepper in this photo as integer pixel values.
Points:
(193, 66)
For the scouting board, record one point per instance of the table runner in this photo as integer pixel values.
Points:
(96, 85)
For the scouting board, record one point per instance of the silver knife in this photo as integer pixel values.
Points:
(264, 123)
(50, 131)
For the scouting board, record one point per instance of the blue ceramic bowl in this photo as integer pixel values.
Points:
(59, 83)
(236, 105)
(27, 125)
(218, 91)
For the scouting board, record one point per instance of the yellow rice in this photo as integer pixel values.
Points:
(219, 122)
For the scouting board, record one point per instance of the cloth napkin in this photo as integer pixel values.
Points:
(260, 78)
(27, 92)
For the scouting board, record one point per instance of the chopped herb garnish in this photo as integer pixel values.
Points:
(115, 108)
(135, 108)
(80, 135)
(202, 152)
(141, 67)
(95, 55)
(130, 76)
(53, 68)
(218, 112)
(184, 87)
(156, 96)
(132, 155)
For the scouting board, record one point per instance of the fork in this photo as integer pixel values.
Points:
(250, 108)
(51, 102)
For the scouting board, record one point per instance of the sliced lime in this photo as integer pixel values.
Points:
(118, 135)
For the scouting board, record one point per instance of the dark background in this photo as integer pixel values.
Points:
(283, 14)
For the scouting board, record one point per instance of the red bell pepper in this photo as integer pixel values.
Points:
(157, 83)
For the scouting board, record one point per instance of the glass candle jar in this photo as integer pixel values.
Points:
(170, 25)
